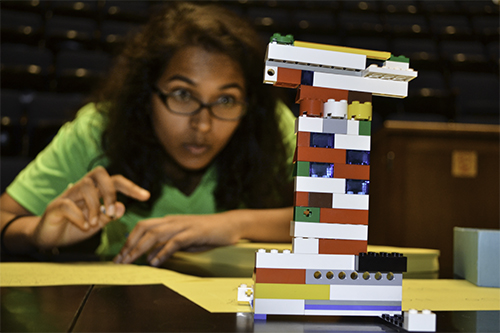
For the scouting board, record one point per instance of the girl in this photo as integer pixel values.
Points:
(183, 134)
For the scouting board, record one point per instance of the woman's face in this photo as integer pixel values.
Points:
(195, 140)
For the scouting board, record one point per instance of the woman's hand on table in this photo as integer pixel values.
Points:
(161, 237)
(84, 208)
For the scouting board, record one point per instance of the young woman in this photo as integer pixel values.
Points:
(182, 148)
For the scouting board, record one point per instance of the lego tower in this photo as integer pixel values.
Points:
(329, 272)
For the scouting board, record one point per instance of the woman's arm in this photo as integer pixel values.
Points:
(161, 237)
(77, 214)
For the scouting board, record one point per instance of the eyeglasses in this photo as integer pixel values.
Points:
(183, 103)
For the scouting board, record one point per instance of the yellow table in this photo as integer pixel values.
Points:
(219, 294)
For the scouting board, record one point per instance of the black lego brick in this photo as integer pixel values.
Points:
(381, 262)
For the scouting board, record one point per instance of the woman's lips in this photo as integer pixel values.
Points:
(196, 149)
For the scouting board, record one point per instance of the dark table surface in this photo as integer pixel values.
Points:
(156, 308)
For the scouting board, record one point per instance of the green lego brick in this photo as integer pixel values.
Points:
(306, 214)
(365, 128)
(399, 58)
(301, 169)
(280, 39)
(292, 291)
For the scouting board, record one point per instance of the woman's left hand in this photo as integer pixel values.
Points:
(161, 237)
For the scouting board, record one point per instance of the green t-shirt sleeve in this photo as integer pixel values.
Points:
(65, 160)
(286, 120)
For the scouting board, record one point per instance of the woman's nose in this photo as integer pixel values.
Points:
(202, 121)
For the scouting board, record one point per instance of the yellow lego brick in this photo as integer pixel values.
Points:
(292, 291)
(379, 55)
(360, 111)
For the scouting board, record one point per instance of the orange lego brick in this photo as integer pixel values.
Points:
(341, 246)
(348, 216)
(303, 139)
(317, 154)
(324, 94)
(351, 171)
(301, 199)
(280, 275)
(311, 107)
(289, 78)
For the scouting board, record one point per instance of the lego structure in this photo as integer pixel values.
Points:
(329, 273)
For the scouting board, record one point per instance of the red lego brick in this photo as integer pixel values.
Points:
(341, 246)
(325, 155)
(320, 200)
(280, 275)
(311, 107)
(288, 78)
(348, 216)
(351, 171)
(303, 139)
(324, 94)
(301, 199)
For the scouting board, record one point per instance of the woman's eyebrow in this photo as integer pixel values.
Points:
(191, 82)
(181, 78)
(232, 85)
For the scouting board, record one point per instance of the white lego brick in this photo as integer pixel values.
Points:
(309, 56)
(352, 142)
(309, 124)
(336, 109)
(386, 73)
(397, 64)
(319, 185)
(279, 306)
(270, 74)
(363, 84)
(315, 68)
(352, 127)
(350, 313)
(329, 230)
(305, 245)
(366, 293)
(424, 321)
(351, 201)
(245, 294)
(303, 261)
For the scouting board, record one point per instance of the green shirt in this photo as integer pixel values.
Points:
(76, 150)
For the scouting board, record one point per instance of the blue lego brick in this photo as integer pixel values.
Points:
(322, 140)
(355, 186)
(321, 170)
(359, 157)
(307, 78)
(259, 316)
(353, 307)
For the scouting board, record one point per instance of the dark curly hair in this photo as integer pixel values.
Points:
(252, 169)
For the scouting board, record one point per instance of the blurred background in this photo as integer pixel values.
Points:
(53, 53)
